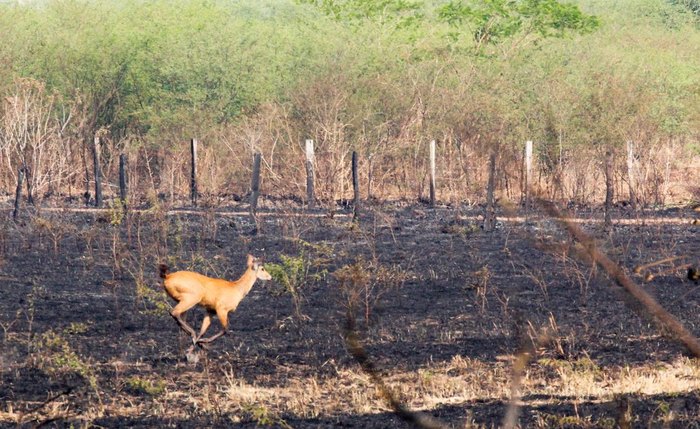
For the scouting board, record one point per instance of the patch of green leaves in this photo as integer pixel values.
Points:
(141, 385)
(153, 301)
(401, 13)
(494, 21)
(294, 272)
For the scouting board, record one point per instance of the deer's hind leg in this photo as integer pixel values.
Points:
(206, 322)
(181, 308)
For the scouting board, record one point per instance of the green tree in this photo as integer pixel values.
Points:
(400, 13)
(492, 23)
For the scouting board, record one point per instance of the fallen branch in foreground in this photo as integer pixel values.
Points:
(666, 319)
(358, 352)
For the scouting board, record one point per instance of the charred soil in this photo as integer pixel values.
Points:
(441, 308)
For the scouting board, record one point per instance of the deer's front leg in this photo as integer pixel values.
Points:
(223, 318)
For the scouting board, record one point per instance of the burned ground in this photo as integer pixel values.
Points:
(440, 306)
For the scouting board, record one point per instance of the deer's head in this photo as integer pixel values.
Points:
(256, 264)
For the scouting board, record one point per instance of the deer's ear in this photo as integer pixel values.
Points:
(251, 259)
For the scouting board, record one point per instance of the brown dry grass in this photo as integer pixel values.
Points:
(460, 381)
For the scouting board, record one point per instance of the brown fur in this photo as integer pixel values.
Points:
(217, 296)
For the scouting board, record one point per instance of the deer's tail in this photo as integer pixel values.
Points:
(693, 274)
(163, 269)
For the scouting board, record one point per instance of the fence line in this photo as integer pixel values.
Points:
(302, 213)
(498, 178)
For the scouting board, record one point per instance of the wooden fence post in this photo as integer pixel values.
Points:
(490, 216)
(28, 180)
(84, 153)
(310, 173)
(528, 176)
(667, 171)
(356, 189)
(97, 171)
(193, 176)
(255, 190)
(122, 181)
(18, 193)
(609, 189)
(432, 173)
(631, 176)
(370, 176)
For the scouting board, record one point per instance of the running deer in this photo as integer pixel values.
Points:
(217, 296)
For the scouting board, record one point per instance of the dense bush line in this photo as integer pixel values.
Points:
(383, 78)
